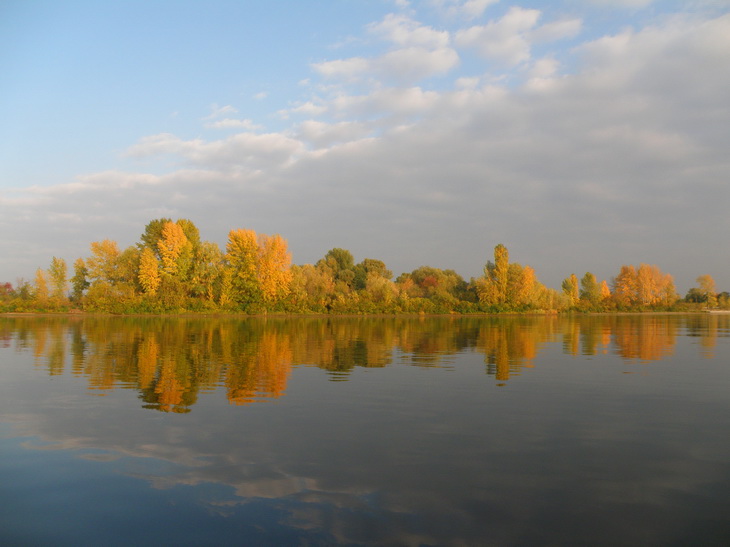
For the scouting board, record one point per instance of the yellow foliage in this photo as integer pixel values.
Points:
(149, 274)
(274, 267)
(102, 265)
(171, 245)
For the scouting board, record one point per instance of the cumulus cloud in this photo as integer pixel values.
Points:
(419, 52)
(572, 171)
(402, 65)
(232, 123)
(557, 30)
(241, 150)
(322, 134)
(404, 31)
(470, 9)
(505, 40)
(634, 4)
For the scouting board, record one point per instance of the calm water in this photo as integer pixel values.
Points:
(435, 431)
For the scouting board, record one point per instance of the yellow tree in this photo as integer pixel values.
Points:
(707, 290)
(171, 245)
(102, 265)
(500, 273)
(274, 268)
(646, 284)
(605, 291)
(149, 272)
(58, 273)
(242, 255)
(666, 291)
(625, 286)
(41, 286)
(492, 287)
(523, 285)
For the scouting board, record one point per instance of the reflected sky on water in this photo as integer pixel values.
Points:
(366, 431)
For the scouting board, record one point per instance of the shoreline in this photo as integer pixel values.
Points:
(243, 315)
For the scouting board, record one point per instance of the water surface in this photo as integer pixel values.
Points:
(603, 430)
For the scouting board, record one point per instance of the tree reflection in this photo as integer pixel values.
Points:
(171, 361)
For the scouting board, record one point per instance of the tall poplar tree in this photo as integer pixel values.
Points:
(58, 272)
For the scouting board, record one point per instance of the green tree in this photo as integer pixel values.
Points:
(79, 281)
(590, 290)
(365, 268)
(707, 290)
(152, 234)
(206, 270)
(571, 289)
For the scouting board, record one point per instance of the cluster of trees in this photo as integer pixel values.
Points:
(171, 269)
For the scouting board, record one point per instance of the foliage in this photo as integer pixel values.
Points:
(172, 270)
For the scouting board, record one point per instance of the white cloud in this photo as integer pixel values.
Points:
(406, 32)
(470, 9)
(420, 52)
(218, 111)
(505, 40)
(322, 134)
(243, 150)
(634, 4)
(232, 123)
(401, 65)
(343, 68)
(557, 30)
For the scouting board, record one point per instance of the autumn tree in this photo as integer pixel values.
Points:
(149, 273)
(206, 270)
(365, 268)
(103, 263)
(571, 289)
(625, 286)
(174, 250)
(312, 288)
(605, 291)
(646, 286)
(707, 290)
(341, 265)
(79, 281)
(521, 286)
(242, 256)
(152, 234)
(274, 268)
(590, 290)
(442, 287)
(508, 286)
(492, 287)
(59, 282)
(41, 286)
(498, 273)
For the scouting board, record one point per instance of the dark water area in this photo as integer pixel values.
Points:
(595, 430)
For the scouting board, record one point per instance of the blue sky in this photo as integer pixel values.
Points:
(582, 134)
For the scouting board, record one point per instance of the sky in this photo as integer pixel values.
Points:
(583, 135)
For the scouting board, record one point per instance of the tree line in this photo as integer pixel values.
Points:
(171, 269)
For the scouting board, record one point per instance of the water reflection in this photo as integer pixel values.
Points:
(426, 450)
(172, 361)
